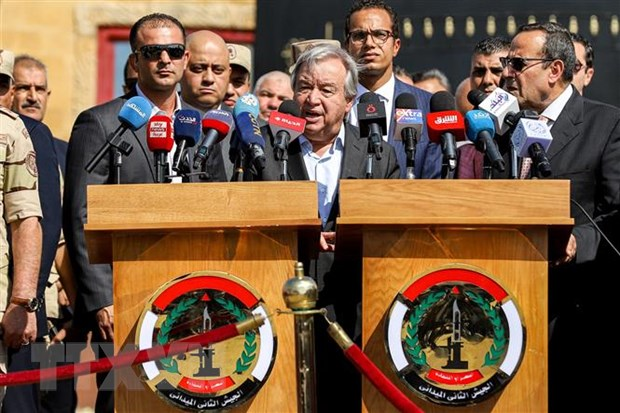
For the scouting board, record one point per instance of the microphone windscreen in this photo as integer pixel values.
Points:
(476, 97)
(248, 131)
(477, 121)
(219, 120)
(159, 133)
(406, 101)
(246, 103)
(442, 101)
(187, 127)
(135, 113)
(369, 97)
(290, 107)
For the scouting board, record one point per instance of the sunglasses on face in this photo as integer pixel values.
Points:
(520, 63)
(379, 36)
(153, 51)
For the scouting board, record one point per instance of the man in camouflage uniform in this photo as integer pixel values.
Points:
(21, 211)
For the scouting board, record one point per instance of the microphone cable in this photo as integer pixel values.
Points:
(600, 231)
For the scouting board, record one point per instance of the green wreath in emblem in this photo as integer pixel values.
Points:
(168, 363)
(249, 345)
(412, 342)
(498, 347)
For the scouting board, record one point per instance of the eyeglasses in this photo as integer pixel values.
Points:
(379, 36)
(153, 51)
(519, 64)
(578, 66)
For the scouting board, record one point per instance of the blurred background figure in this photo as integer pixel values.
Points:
(130, 77)
(486, 70)
(403, 75)
(272, 88)
(584, 66)
(432, 80)
(241, 73)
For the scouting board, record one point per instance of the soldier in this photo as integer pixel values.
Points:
(21, 211)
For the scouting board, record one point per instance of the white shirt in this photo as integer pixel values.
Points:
(154, 110)
(325, 170)
(553, 111)
(386, 95)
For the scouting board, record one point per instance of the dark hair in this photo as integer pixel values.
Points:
(577, 38)
(558, 45)
(371, 4)
(154, 20)
(492, 45)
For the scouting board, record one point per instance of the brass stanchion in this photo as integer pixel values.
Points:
(300, 295)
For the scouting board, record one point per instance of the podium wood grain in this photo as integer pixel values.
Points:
(409, 228)
(152, 242)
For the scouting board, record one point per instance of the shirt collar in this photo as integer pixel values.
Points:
(154, 107)
(338, 144)
(385, 92)
(552, 112)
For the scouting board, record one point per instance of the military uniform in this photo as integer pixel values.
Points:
(19, 198)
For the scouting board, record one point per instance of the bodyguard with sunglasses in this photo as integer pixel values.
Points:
(586, 150)
(372, 38)
(159, 57)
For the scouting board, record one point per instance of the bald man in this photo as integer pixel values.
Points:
(272, 89)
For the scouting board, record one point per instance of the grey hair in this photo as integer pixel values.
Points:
(315, 54)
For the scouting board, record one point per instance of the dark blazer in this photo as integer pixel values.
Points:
(428, 155)
(90, 131)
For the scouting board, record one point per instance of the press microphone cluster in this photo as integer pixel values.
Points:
(532, 138)
(445, 127)
(133, 115)
(187, 130)
(216, 124)
(159, 141)
(480, 130)
(409, 121)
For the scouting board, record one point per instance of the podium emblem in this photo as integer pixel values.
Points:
(455, 336)
(220, 375)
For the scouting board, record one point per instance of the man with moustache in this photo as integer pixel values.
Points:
(585, 150)
(372, 38)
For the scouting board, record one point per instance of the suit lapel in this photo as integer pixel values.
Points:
(354, 153)
(565, 128)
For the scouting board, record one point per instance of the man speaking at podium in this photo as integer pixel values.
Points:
(586, 150)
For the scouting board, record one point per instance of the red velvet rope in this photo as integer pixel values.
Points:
(128, 358)
(378, 379)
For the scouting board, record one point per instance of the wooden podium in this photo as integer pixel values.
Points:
(154, 233)
(408, 228)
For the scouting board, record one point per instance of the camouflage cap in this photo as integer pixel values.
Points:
(7, 58)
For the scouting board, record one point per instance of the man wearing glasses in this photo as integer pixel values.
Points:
(586, 150)
(372, 38)
(159, 56)
(584, 67)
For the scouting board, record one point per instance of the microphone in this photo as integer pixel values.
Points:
(409, 122)
(286, 124)
(480, 130)
(159, 140)
(186, 129)
(248, 136)
(499, 104)
(445, 126)
(372, 121)
(215, 126)
(532, 138)
(133, 115)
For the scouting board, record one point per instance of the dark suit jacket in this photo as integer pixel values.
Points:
(90, 131)
(49, 195)
(428, 155)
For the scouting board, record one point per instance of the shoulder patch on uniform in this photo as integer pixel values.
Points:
(9, 113)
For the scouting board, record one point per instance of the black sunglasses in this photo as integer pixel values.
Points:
(520, 63)
(153, 51)
(578, 66)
